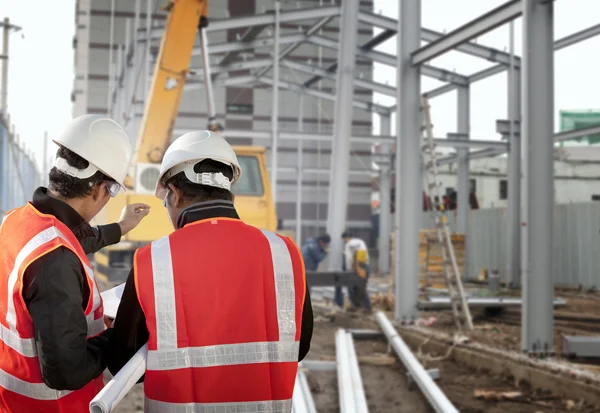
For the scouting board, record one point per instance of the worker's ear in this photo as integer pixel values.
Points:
(176, 199)
(96, 191)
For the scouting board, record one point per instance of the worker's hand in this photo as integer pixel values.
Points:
(108, 322)
(131, 216)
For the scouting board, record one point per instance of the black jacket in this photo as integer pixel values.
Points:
(130, 331)
(56, 293)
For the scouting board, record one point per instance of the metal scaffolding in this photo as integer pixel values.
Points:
(529, 153)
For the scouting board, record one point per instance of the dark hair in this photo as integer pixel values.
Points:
(347, 234)
(325, 238)
(199, 193)
(69, 186)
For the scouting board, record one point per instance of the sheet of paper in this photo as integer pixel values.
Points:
(111, 299)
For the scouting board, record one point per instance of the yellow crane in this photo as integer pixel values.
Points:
(253, 198)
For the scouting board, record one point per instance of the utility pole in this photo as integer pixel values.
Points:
(6, 27)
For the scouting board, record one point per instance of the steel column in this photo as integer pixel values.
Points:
(513, 257)
(462, 199)
(210, 98)
(385, 213)
(5, 46)
(299, 173)
(111, 72)
(538, 176)
(275, 107)
(408, 163)
(338, 188)
(147, 55)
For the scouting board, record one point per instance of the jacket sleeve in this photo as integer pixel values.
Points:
(307, 326)
(54, 298)
(317, 253)
(105, 235)
(130, 331)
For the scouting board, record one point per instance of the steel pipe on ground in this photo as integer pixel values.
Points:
(302, 401)
(437, 399)
(351, 391)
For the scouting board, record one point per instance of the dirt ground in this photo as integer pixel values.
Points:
(386, 385)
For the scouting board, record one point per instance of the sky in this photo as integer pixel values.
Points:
(41, 70)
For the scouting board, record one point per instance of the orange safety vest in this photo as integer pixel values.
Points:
(26, 235)
(223, 304)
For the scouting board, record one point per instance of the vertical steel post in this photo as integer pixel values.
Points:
(462, 198)
(210, 97)
(340, 154)
(275, 108)
(148, 54)
(513, 256)
(45, 166)
(111, 43)
(408, 163)
(121, 84)
(538, 176)
(5, 45)
(385, 187)
(127, 74)
(299, 172)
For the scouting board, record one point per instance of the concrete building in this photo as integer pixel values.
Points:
(101, 29)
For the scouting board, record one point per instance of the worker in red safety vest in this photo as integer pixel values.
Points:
(223, 305)
(52, 331)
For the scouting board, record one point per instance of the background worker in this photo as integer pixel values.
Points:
(314, 251)
(356, 259)
(223, 305)
(52, 335)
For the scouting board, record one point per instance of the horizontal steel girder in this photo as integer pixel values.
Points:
(481, 25)
(228, 47)
(257, 20)
(390, 60)
(473, 49)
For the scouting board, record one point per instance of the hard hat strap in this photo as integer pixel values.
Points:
(62, 165)
(218, 180)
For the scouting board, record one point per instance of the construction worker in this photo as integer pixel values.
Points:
(223, 305)
(52, 332)
(356, 259)
(314, 251)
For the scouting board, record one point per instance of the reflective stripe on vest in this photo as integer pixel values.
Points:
(36, 391)
(271, 406)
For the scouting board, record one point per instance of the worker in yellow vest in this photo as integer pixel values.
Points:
(356, 259)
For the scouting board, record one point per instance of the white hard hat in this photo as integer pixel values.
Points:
(99, 140)
(193, 147)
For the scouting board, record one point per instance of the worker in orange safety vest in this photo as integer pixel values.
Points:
(52, 329)
(223, 305)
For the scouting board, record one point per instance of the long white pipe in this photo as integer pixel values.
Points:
(437, 399)
(345, 389)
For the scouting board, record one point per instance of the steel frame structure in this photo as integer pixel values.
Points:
(527, 259)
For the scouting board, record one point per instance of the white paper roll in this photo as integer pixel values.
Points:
(111, 300)
(121, 384)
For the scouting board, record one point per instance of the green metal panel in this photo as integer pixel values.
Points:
(579, 119)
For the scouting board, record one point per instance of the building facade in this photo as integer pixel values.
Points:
(101, 30)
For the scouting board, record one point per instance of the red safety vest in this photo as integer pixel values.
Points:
(223, 304)
(26, 235)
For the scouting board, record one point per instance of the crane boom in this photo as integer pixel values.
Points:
(169, 76)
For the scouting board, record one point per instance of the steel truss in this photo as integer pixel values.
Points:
(530, 215)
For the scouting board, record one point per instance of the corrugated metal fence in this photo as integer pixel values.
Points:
(576, 258)
(19, 175)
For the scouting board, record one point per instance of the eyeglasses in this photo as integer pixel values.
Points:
(166, 198)
(113, 188)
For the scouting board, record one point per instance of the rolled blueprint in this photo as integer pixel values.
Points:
(121, 384)
(111, 300)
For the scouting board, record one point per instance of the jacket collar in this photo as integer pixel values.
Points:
(206, 210)
(63, 212)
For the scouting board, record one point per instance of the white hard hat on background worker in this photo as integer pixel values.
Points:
(193, 147)
(99, 140)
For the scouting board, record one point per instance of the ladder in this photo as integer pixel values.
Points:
(458, 300)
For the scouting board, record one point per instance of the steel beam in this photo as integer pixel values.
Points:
(473, 49)
(368, 106)
(581, 346)
(264, 19)
(275, 103)
(434, 395)
(290, 49)
(463, 34)
(360, 399)
(244, 65)
(575, 134)
(344, 374)
(513, 257)
(323, 73)
(385, 190)
(463, 127)
(537, 192)
(299, 161)
(231, 81)
(438, 303)
(494, 70)
(408, 164)
(390, 60)
(254, 44)
(248, 36)
(340, 163)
